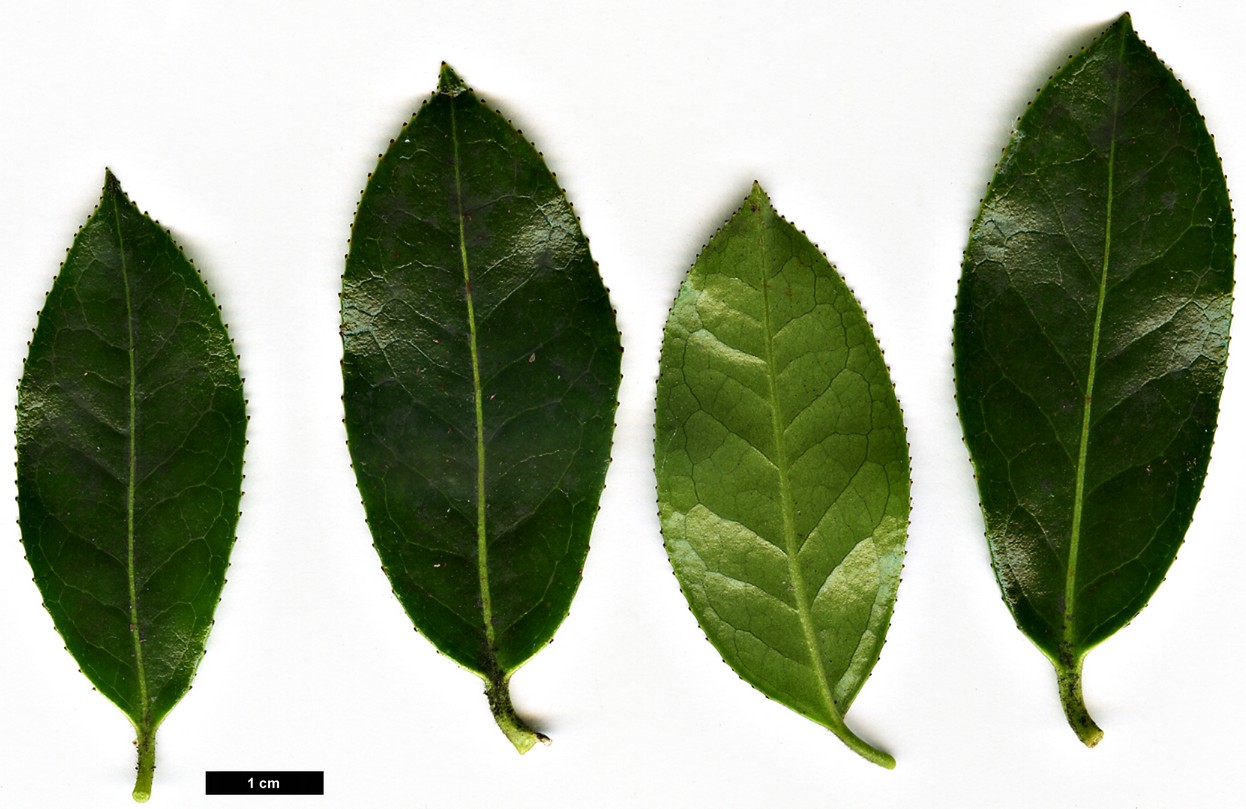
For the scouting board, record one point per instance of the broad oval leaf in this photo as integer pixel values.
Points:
(782, 467)
(130, 433)
(1091, 336)
(481, 369)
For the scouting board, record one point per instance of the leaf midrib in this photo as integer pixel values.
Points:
(482, 557)
(790, 538)
(132, 475)
(1070, 582)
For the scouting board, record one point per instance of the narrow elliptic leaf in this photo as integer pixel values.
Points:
(130, 430)
(481, 366)
(782, 467)
(1092, 328)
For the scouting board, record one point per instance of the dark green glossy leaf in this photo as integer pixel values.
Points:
(1091, 335)
(130, 432)
(481, 373)
(782, 467)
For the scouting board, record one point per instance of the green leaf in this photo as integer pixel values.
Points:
(1091, 334)
(782, 467)
(130, 432)
(481, 369)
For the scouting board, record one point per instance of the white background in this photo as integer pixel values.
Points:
(249, 129)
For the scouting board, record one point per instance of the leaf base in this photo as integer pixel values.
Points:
(516, 729)
(863, 748)
(1069, 677)
(146, 744)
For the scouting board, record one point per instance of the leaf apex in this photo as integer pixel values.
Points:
(112, 186)
(758, 201)
(449, 82)
(1122, 27)
(113, 194)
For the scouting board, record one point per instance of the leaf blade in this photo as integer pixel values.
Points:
(481, 369)
(1105, 244)
(130, 431)
(782, 467)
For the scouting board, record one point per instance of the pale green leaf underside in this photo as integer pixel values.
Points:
(782, 467)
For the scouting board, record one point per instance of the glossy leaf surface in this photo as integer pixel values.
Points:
(782, 467)
(130, 433)
(481, 374)
(1091, 335)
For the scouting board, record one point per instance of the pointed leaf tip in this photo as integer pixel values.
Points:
(757, 199)
(113, 193)
(111, 184)
(450, 84)
(1122, 26)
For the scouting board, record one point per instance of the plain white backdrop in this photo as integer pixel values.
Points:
(249, 129)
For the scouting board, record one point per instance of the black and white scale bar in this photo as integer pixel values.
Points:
(263, 782)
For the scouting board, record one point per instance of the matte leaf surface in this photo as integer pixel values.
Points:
(481, 366)
(782, 467)
(130, 433)
(1091, 335)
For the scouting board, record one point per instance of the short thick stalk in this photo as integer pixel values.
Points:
(864, 748)
(1069, 676)
(516, 729)
(146, 744)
